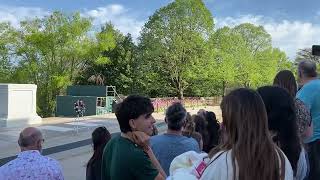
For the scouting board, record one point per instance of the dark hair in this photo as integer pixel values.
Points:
(285, 79)
(254, 155)
(307, 68)
(131, 108)
(100, 137)
(176, 116)
(213, 130)
(282, 120)
(201, 127)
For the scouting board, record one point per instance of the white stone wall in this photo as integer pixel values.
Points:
(18, 103)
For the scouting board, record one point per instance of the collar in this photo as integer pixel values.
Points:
(29, 153)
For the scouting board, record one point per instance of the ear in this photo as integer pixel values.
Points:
(39, 144)
(299, 73)
(132, 124)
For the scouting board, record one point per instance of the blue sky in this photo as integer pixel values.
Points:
(293, 24)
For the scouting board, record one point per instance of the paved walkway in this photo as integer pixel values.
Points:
(60, 131)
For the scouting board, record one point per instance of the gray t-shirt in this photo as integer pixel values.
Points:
(168, 146)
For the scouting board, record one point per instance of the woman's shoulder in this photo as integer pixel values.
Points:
(219, 167)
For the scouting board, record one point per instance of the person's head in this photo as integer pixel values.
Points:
(282, 121)
(202, 113)
(285, 79)
(213, 129)
(31, 139)
(246, 133)
(211, 116)
(134, 113)
(201, 127)
(200, 124)
(176, 116)
(189, 125)
(100, 137)
(306, 70)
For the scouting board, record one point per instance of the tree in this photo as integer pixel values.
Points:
(50, 52)
(306, 54)
(121, 68)
(256, 38)
(7, 38)
(173, 42)
(243, 62)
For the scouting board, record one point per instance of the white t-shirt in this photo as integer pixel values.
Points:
(222, 169)
(302, 167)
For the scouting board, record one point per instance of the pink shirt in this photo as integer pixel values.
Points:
(31, 165)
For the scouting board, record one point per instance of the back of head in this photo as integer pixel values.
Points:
(285, 79)
(282, 121)
(176, 116)
(246, 133)
(100, 137)
(190, 125)
(30, 139)
(307, 69)
(213, 129)
(202, 113)
(131, 108)
(201, 124)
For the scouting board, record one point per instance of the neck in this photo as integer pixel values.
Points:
(28, 149)
(170, 131)
(308, 79)
(125, 135)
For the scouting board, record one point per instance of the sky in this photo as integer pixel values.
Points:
(293, 24)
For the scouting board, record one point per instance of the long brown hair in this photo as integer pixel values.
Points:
(246, 134)
(285, 79)
(190, 125)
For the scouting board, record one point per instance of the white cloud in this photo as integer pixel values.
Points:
(14, 14)
(120, 17)
(289, 36)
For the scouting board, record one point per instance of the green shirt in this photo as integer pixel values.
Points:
(124, 160)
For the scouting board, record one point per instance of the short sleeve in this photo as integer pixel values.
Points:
(142, 167)
(305, 97)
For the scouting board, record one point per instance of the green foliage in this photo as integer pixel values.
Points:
(173, 42)
(178, 54)
(50, 52)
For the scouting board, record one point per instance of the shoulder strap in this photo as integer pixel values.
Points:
(282, 165)
(214, 159)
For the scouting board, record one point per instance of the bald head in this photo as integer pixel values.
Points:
(30, 138)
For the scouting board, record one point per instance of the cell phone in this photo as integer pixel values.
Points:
(316, 50)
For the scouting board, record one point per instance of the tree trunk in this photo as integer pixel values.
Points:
(180, 94)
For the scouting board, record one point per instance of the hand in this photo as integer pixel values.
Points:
(140, 138)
